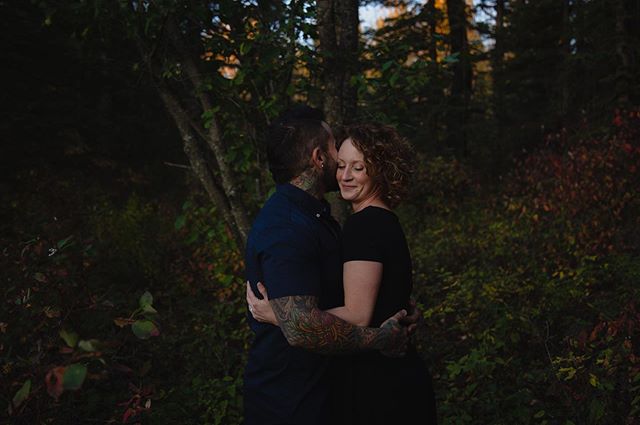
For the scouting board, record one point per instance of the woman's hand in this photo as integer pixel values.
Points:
(260, 309)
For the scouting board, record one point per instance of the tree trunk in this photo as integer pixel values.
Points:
(338, 33)
(497, 72)
(497, 63)
(198, 162)
(224, 194)
(230, 186)
(623, 76)
(564, 67)
(435, 92)
(462, 76)
(432, 19)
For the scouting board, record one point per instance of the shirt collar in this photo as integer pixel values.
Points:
(309, 203)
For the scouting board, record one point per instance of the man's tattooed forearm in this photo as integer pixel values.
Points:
(306, 326)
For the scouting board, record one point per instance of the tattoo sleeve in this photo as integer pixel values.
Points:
(306, 326)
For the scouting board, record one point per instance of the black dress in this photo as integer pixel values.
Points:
(372, 388)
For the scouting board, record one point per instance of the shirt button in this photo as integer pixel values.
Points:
(318, 215)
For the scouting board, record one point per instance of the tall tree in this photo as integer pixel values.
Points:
(403, 66)
(497, 59)
(338, 34)
(533, 68)
(627, 36)
(221, 70)
(461, 84)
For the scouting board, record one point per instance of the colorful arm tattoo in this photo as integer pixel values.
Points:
(306, 326)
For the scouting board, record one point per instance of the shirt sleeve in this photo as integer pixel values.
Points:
(362, 239)
(290, 265)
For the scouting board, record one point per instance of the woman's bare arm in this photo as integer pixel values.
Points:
(361, 280)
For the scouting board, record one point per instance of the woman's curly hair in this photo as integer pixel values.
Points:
(389, 158)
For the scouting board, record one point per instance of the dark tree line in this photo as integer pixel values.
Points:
(479, 81)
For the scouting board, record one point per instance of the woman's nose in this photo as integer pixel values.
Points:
(346, 174)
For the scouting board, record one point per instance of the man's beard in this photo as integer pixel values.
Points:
(329, 180)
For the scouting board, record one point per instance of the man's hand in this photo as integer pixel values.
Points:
(413, 318)
(396, 334)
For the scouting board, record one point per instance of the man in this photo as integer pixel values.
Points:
(294, 249)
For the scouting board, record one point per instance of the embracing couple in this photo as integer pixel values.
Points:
(328, 306)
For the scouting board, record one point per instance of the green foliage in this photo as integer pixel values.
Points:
(529, 303)
(400, 67)
(74, 376)
(211, 333)
(128, 237)
(68, 352)
(528, 287)
(529, 306)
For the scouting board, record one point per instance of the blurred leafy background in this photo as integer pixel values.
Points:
(132, 164)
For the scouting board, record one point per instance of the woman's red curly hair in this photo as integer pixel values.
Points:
(389, 159)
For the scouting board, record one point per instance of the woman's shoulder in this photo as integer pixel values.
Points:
(372, 213)
(370, 220)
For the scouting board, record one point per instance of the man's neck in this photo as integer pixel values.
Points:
(310, 183)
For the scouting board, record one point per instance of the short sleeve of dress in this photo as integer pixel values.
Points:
(362, 238)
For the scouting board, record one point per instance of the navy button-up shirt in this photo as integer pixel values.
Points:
(293, 249)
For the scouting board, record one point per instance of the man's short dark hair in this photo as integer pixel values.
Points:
(292, 138)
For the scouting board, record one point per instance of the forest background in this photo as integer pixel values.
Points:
(132, 165)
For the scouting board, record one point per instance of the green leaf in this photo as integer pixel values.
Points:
(149, 310)
(146, 299)
(596, 410)
(181, 220)
(539, 414)
(88, 345)
(192, 238)
(70, 337)
(64, 242)
(144, 329)
(22, 393)
(452, 58)
(74, 376)
(394, 79)
(239, 78)
(244, 48)
(593, 380)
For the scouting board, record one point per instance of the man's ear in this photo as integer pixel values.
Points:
(318, 157)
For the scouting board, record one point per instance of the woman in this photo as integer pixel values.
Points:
(374, 169)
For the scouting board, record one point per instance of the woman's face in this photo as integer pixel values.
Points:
(356, 186)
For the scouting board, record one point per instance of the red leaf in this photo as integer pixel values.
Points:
(127, 414)
(617, 120)
(54, 382)
(122, 321)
